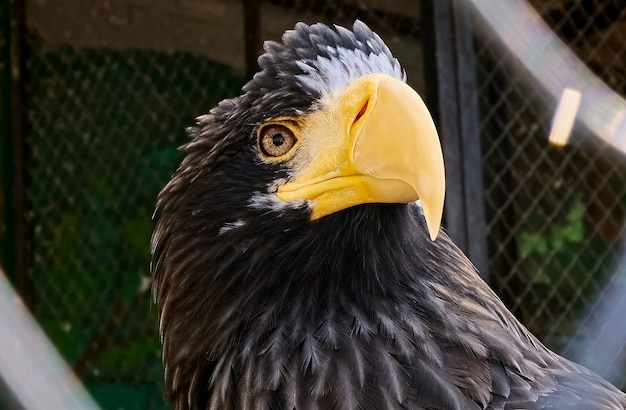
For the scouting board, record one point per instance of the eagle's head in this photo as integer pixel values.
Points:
(284, 196)
(328, 123)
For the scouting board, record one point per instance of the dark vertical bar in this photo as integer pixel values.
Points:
(441, 94)
(450, 72)
(7, 227)
(469, 125)
(18, 238)
(252, 34)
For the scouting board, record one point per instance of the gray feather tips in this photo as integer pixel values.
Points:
(320, 60)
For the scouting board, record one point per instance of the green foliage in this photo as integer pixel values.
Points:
(558, 240)
(563, 262)
(128, 396)
(71, 340)
(559, 236)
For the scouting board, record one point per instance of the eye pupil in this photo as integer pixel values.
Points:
(278, 139)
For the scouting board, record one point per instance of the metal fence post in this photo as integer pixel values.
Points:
(453, 94)
(14, 232)
(6, 169)
(252, 35)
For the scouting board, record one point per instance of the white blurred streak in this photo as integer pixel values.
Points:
(29, 365)
(603, 333)
(564, 117)
(524, 33)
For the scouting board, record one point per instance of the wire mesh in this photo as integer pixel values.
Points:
(111, 85)
(105, 116)
(555, 215)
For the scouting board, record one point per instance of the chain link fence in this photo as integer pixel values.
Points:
(555, 216)
(109, 87)
(109, 91)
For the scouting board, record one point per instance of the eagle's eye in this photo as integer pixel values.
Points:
(276, 140)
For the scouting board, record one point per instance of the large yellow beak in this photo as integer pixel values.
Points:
(376, 144)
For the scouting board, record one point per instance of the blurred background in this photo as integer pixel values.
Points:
(95, 97)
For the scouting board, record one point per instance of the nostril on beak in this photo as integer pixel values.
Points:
(361, 111)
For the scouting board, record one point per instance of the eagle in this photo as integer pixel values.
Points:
(298, 260)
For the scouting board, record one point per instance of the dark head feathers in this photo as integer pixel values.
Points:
(313, 60)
